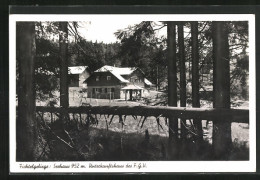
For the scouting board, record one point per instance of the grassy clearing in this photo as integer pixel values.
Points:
(130, 142)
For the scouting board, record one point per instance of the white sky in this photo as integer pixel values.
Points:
(104, 30)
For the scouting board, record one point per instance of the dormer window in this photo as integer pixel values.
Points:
(97, 78)
(108, 78)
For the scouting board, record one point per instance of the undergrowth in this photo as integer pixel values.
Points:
(91, 143)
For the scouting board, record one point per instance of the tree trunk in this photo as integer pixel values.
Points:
(182, 74)
(26, 126)
(221, 89)
(64, 95)
(157, 79)
(195, 75)
(172, 85)
(182, 65)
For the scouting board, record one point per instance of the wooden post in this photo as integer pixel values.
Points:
(51, 118)
(221, 89)
(63, 41)
(26, 125)
(113, 96)
(172, 87)
(126, 96)
(131, 94)
(195, 76)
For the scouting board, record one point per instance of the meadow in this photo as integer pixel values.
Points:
(105, 140)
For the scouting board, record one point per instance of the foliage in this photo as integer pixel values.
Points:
(141, 47)
(94, 55)
(46, 68)
(99, 142)
(80, 52)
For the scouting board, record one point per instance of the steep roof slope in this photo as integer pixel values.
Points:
(76, 69)
(118, 72)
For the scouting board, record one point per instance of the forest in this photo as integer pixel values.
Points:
(197, 65)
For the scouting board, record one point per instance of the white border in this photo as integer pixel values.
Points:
(151, 166)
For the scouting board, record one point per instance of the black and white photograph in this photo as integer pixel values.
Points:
(132, 93)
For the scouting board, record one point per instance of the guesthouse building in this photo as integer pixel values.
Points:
(111, 82)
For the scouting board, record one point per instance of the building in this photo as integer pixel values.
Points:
(114, 82)
(77, 75)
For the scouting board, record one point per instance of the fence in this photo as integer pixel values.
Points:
(87, 114)
(211, 114)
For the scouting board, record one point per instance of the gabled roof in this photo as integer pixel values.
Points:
(77, 69)
(118, 76)
(118, 72)
(132, 87)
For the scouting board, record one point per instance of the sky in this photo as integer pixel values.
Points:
(104, 30)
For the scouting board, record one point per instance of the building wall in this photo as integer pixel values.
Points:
(82, 77)
(76, 80)
(104, 92)
(73, 80)
(91, 81)
(136, 78)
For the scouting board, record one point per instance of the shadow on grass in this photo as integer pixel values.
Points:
(95, 144)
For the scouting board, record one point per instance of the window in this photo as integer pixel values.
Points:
(73, 80)
(105, 90)
(97, 78)
(93, 90)
(108, 78)
(112, 89)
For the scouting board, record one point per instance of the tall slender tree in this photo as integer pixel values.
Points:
(182, 72)
(182, 65)
(26, 126)
(172, 84)
(221, 88)
(195, 74)
(63, 42)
